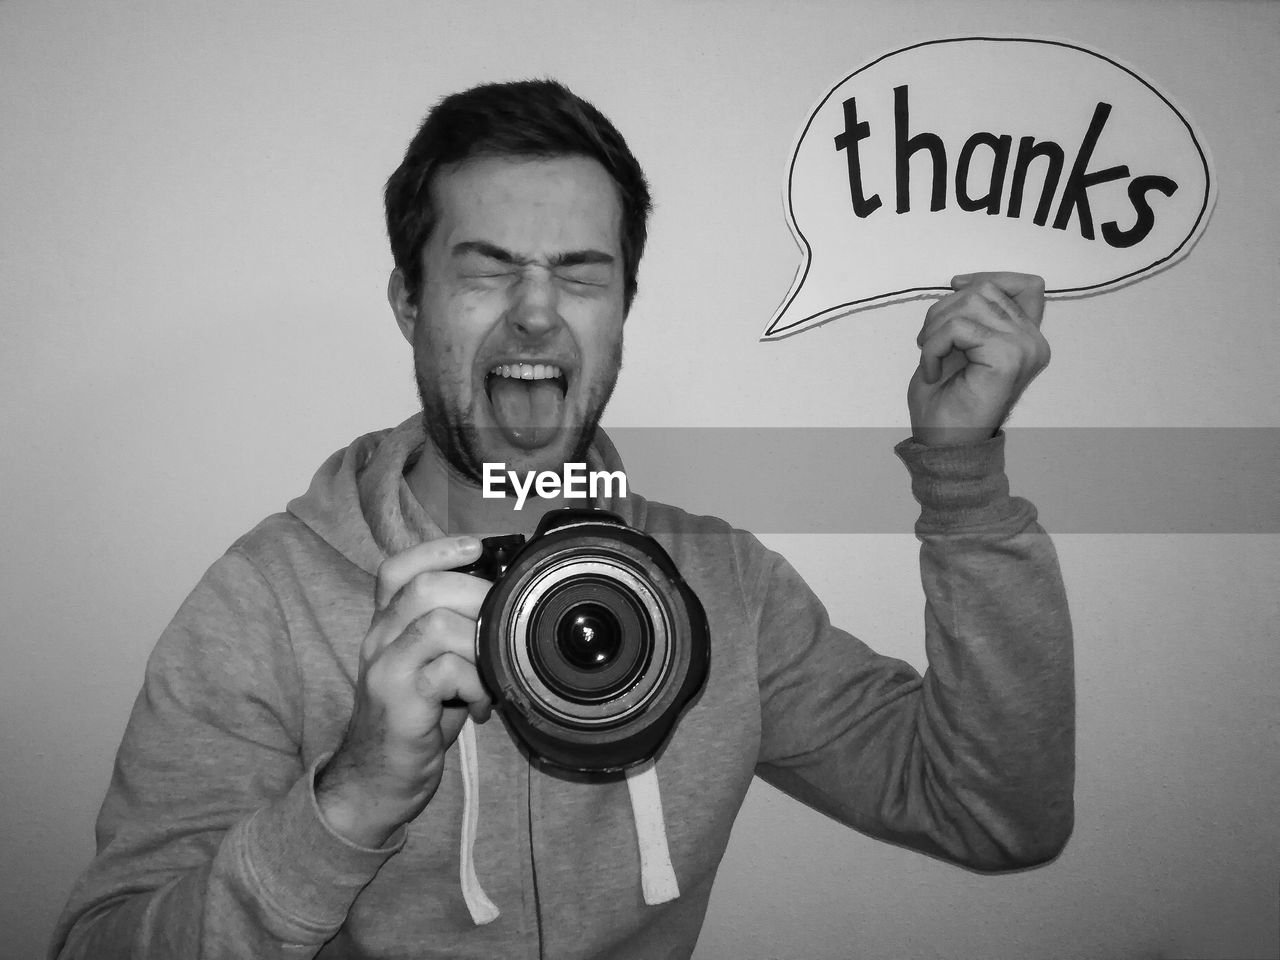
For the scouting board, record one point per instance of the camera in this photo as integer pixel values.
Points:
(589, 641)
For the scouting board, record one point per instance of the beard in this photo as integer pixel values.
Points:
(462, 443)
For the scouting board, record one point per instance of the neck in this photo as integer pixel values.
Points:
(457, 505)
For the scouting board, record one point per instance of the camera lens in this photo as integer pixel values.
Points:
(591, 643)
(589, 636)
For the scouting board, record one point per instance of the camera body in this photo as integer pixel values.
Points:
(589, 642)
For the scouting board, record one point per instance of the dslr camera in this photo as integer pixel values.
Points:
(589, 641)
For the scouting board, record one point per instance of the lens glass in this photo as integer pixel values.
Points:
(589, 636)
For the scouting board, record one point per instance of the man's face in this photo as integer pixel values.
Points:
(517, 334)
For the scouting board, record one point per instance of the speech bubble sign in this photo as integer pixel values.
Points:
(968, 154)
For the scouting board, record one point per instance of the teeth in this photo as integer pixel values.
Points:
(527, 371)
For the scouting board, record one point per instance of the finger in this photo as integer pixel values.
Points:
(440, 635)
(443, 553)
(438, 632)
(1008, 317)
(1025, 289)
(449, 677)
(960, 333)
(984, 304)
(426, 592)
(1006, 308)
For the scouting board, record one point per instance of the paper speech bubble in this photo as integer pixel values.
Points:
(988, 153)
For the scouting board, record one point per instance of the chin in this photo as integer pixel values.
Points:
(468, 440)
(567, 447)
(469, 448)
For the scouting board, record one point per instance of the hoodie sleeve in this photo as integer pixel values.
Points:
(974, 761)
(210, 843)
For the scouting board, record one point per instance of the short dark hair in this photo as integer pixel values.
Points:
(525, 118)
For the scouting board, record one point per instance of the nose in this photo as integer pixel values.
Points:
(535, 307)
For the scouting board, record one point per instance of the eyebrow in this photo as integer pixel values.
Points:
(569, 258)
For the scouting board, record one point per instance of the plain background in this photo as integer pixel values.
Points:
(192, 273)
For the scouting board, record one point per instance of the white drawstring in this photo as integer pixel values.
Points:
(657, 876)
(483, 910)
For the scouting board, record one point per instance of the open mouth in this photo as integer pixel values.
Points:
(528, 401)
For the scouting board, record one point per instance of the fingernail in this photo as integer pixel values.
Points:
(960, 279)
(467, 544)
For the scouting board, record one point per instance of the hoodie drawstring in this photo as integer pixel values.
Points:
(483, 910)
(657, 876)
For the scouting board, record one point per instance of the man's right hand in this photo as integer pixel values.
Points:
(417, 663)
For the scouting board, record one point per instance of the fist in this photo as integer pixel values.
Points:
(416, 687)
(979, 348)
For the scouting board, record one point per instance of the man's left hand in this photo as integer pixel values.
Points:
(979, 348)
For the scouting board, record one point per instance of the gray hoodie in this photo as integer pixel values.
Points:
(210, 843)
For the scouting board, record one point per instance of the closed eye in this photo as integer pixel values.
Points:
(584, 268)
(479, 261)
(581, 269)
(584, 276)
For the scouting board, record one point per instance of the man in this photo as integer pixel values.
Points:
(287, 785)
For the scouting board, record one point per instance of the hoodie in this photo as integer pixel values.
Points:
(210, 843)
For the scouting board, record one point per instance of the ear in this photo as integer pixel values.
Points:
(402, 305)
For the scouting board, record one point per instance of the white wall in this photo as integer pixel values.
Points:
(191, 279)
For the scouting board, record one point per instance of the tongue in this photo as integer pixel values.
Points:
(527, 411)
